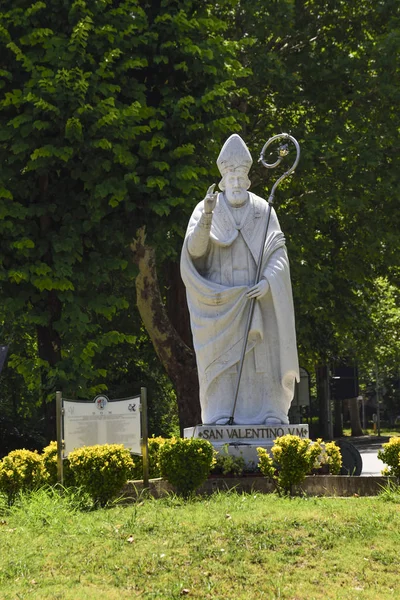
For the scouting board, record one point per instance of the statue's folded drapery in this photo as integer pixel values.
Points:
(216, 285)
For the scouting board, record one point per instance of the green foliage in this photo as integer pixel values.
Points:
(381, 367)
(16, 430)
(293, 458)
(227, 464)
(390, 455)
(391, 493)
(108, 115)
(101, 470)
(266, 464)
(327, 76)
(21, 471)
(155, 444)
(331, 456)
(111, 116)
(49, 457)
(38, 509)
(186, 463)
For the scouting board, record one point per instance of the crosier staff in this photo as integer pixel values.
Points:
(283, 151)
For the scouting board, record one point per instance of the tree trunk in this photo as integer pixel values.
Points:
(177, 358)
(324, 401)
(49, 341)
(355, 422)
(176, 303)
(338, 420)
(49, 350)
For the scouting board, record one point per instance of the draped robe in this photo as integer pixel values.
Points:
(216, 286)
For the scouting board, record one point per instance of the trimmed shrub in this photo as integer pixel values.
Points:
(293, 458)
(266, 464)
(21, 471)
(101, 470)
(390, 455)
(155, 444)
(332, 457)
(49, 457)
(186, 463)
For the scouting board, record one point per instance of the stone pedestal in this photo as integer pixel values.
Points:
(243, 440)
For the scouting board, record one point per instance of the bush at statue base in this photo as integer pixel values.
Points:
(226, 464)
(331, 456)
(390, 455)
(293, 458)
(186, 463)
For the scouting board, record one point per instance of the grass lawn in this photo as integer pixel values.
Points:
(226, 547)
(385, 431)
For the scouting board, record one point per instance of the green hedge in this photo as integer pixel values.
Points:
(101, 470)
(390, 455)
(154, 444)
(293, 458)
(49, 458)
(186, 463)
(21, 471)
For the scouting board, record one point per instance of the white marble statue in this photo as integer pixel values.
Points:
(218, 266)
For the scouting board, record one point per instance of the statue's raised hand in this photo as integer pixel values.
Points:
(210, 200)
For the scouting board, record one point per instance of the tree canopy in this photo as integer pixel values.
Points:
(106, 111)
(111, 117)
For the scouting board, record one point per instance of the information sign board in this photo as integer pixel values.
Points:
(101, 421)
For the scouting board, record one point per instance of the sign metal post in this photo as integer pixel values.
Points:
(59, 419)
(145, 437)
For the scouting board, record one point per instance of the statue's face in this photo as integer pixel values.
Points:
(236, 188)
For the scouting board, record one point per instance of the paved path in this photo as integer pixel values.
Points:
(368, 446)
(371, 463)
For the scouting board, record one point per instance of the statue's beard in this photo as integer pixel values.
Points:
(236, 197)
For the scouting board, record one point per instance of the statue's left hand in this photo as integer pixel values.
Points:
(259, 290)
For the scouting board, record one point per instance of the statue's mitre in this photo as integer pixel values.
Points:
(234, 155)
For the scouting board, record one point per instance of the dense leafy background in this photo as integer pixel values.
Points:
(111, 117)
